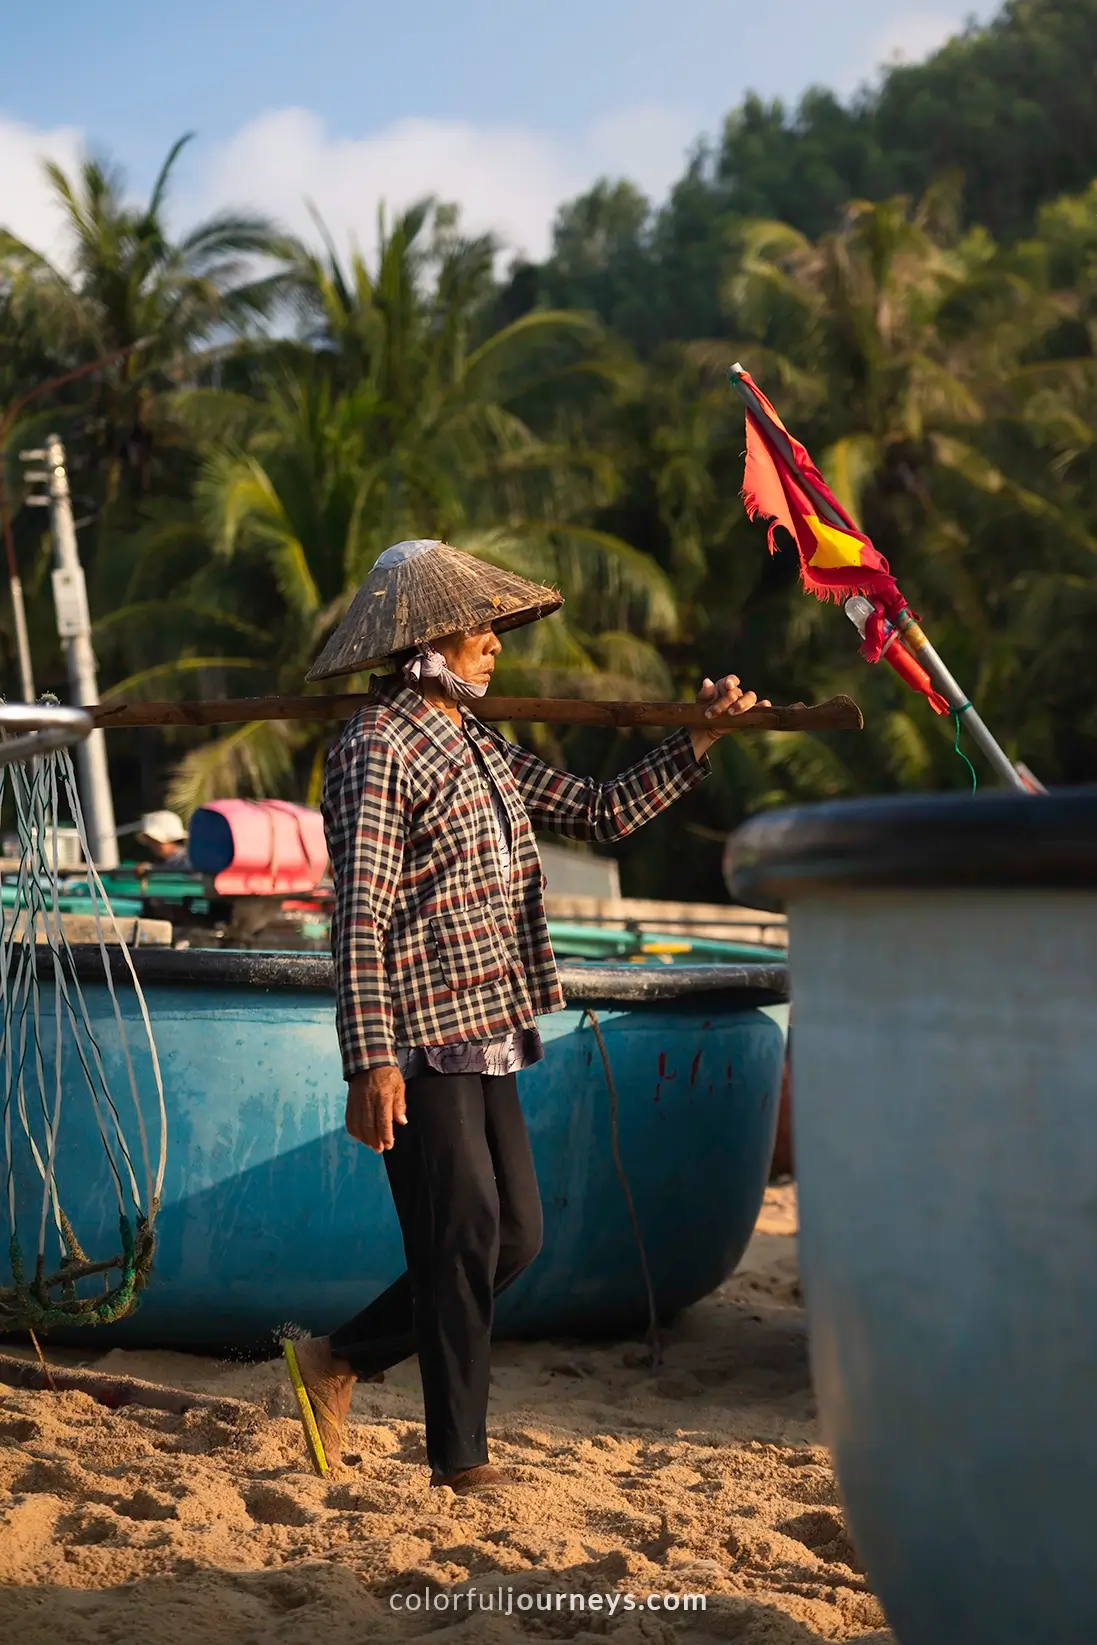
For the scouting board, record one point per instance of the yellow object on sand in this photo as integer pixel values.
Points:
(304, 1405)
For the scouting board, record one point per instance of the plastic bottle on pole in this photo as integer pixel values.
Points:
(895, 654)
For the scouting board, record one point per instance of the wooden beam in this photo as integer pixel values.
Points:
(81, 928)
(836, 714)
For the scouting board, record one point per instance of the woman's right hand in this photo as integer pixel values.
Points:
(375, 1104)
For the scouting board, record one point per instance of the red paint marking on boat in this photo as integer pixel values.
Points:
(695, 1068)
(663, 1075)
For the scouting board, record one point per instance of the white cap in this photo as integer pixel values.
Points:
(162, 826)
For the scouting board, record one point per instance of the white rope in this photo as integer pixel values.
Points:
(49, 1186)
(155, 1183)
(31, 901)
(85, 1018)
(31, 823)
(37, 789)
(28, 896)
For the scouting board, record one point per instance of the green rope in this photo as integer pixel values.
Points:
(956, 749)
(29, 1302)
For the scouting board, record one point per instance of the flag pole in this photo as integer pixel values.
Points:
(910, 630)
(916, 643)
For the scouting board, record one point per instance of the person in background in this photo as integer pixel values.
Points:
(163, 835)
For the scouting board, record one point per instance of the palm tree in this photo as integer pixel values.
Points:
(126, 283)
(402, 413)
(897, 349)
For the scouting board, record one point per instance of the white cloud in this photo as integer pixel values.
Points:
(26, 205)
(914, 36)
(647, 144)
(508, 179)
(504, 178)
(908, 38)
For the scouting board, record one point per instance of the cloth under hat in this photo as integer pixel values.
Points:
(428, 664)
(419, 590)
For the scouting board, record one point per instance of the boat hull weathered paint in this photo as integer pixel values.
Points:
(945, 1057)
(272, 1216)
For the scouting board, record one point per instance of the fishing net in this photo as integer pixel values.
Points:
(71, 1030)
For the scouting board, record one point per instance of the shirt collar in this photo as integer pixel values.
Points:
(431, 721)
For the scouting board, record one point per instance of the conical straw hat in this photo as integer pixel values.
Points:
(419, 590)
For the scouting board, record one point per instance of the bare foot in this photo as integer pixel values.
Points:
(329, 1383)
(481, 1478)
(315, 1357)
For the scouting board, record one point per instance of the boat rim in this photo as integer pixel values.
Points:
(1001, 840)
(592, 983)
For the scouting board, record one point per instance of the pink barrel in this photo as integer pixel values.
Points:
(258, 848)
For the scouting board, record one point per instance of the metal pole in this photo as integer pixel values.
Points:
(15, 582)
(912, 634)
(916, 642)
(70, 599)
(22, 638)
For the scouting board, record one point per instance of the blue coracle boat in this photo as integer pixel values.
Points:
(271, 1215)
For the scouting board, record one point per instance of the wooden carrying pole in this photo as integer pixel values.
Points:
(836, 714)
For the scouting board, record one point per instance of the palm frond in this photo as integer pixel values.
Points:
(162, 673)
(163, 176)
(167, 613)
(255, 760)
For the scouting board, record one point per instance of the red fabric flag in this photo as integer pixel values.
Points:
(835, 559)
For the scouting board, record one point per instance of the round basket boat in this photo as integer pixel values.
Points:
(944, 955)
(272, 1215)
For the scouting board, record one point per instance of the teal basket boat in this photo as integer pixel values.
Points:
(271, 1215)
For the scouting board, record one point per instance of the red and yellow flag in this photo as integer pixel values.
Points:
(783, 485)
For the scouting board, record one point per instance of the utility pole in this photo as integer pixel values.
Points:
(70, 599)
(15, 583)
(7, 423)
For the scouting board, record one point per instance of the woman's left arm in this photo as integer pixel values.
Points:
(584, 809)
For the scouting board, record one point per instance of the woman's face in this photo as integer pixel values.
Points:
(471, 656)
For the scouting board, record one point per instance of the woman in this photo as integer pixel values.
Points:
(442, 964)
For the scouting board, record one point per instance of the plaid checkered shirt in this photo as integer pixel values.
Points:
(431, 946)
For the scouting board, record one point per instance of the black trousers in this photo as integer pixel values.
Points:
(462, 1178)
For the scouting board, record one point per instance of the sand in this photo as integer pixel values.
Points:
(706, 1477)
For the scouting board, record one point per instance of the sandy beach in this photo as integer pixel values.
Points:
(705, 1476)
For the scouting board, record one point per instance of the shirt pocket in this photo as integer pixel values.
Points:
(467, 947)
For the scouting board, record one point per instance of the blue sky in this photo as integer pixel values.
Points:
(504, 105)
